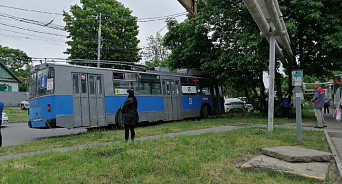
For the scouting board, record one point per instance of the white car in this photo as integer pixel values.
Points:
(233, 104)
(4, 118)
(24, 104)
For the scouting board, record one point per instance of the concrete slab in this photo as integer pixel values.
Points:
(317, 171)
(297, 154)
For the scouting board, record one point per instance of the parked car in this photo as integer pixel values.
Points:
(24, 104)
(233, 104)
(4, 118)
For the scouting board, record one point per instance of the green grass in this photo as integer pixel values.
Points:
(206, 158)
(16, 114)
(99, 136)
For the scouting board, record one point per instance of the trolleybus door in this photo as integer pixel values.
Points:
(76, 100)
(84, 100)
(100, 100)
(88, 100)
(172, 104)
(92, 100)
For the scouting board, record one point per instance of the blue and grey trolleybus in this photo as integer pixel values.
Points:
(70, 96)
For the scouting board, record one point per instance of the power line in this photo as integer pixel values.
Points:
(30, 21)
(40, 37)
(36, 11)
(32, 30)
(22, 37)
(149, 19)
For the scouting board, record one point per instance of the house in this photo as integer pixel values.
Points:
(8, 81)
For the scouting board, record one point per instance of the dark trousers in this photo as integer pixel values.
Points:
(127, 128)
(286, 112)
(326, 109)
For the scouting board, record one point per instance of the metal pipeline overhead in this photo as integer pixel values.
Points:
(267, 15)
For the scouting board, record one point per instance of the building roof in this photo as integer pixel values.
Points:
(7, 75)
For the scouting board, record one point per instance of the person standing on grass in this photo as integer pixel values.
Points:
(1, 109)
(286, 104)
(318, 104)
(129, 114)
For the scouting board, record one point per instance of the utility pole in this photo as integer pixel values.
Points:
(99, 44)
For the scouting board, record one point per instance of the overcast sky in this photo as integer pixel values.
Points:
(42, 42)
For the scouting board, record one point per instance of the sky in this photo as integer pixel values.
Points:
(42, 42)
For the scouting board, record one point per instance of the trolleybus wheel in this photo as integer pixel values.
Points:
(204, 112)
(119, 124)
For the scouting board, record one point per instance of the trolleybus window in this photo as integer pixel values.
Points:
(203, 86)
(149, 84)
(75, 84)
(124, 81)
(83, 83)
(188, 86)
(46, 81)
(32, 85)
(98, 85)
(91, 85)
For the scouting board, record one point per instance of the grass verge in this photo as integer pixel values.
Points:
(206, 158)
(99, 136)
(16, 114)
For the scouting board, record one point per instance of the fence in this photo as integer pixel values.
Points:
(12, 99)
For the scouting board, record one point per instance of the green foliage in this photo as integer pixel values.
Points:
(316, 36)
(17, 62)
(224, 41)
(119, 31)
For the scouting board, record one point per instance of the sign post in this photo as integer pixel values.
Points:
(189, 5)
(297, 82)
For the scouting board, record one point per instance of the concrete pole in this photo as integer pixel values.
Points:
(99, 45)
(271, 79)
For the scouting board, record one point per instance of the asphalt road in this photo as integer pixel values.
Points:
(19, 133)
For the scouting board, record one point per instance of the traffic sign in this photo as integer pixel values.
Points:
(189, 5)
(297, 77)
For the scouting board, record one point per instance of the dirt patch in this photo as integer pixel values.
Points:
(333, 173)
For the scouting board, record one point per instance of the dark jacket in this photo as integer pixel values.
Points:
(129, 110)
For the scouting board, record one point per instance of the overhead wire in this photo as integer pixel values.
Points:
(23, 9)
(49, 41)
(30, 21)
(61, 28)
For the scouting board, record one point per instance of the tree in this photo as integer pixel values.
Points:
(119, 31)
(224, 41)
(155, 53)
(18, 63)
(218, 42)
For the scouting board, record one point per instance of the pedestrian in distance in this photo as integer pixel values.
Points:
(1, 109)
(129, 114)
(326, 105)
(318, 104)
(286, 104)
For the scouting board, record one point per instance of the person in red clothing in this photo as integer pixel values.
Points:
(318, 104)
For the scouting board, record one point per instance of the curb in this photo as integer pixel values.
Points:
(334, 152)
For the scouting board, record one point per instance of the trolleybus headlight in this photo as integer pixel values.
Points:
(48, 108)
